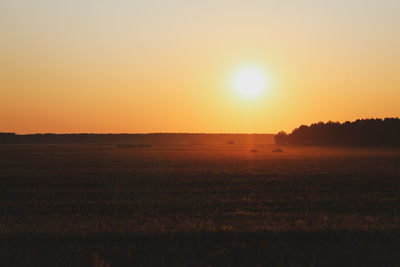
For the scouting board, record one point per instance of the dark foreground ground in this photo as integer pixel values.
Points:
(104, 205)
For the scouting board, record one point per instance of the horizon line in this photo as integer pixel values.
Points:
(126, 133)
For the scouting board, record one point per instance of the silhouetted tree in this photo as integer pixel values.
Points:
(281, 139)
(366, 132)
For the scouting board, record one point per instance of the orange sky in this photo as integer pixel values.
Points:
(165, 66)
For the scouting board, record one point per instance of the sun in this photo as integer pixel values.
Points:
(249, 81)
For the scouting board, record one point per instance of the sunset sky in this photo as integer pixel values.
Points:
(171, 65)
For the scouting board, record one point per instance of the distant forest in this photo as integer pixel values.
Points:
(366, 132)
(153, 138)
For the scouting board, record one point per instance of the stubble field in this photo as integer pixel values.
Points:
(183, 205)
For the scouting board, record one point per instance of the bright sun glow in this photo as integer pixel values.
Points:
(249, 81)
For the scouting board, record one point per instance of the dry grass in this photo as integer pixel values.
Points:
(198, 205)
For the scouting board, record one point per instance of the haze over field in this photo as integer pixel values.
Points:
(168, 66)
(190, 205)
(199, 133)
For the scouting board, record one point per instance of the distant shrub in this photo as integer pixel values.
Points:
(278, 150)
(254, 151)
(231, 142)
(281, 139)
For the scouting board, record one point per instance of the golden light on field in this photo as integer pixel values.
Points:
(249, 81)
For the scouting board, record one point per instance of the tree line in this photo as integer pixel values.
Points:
(151, 138)
(364, 132)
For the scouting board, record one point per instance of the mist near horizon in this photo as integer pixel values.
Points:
(199, 133)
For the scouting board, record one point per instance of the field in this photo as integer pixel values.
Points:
(185, 205)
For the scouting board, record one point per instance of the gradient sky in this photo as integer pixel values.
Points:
(164, 65)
